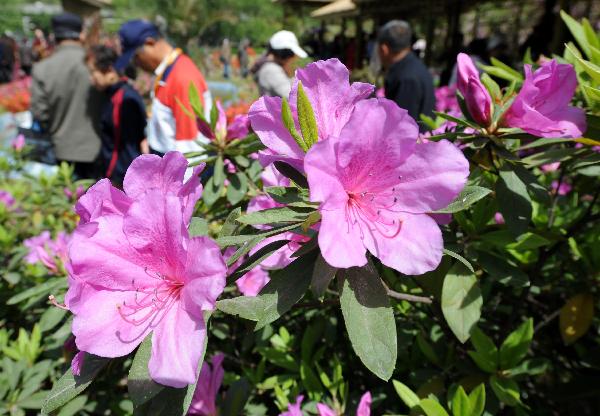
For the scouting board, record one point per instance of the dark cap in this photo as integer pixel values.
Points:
(133, 34)
(66, 26)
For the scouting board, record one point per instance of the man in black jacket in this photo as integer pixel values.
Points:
(407, 80)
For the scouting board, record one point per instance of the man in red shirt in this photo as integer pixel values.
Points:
(170, 126)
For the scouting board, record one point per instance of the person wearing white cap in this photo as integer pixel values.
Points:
(273, 72)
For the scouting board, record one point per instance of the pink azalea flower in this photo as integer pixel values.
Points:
(204, 401)
(375, 193)
(477, 98)
(380, 93)
(42, 249)
(6, 198)
(364, 407)
(77, 363)
(229, 166)
(252, 282)
(499, 218)
(333, 98)
(239, 127)
(550, 167)
(134, 270)
(445, 99)
(78, 192)
(563, 189)
(18, 143)
(294, 409)
(542, 108)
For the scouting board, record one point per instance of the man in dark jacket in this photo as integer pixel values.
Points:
(407, 80)
(63, 100)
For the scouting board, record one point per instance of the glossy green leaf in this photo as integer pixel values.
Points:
(139, 384)
(236, 397)
(286, 288)
(70, 386)
(322, 275)
(468, 196)
(506, 390)
(238, 186)
(477, 400)
(276, 215)
(306, 117)
(513, 201)
(196, 101)
(288, 122)
(461, 406)
(515, 346)
(432, 408)
(461, 301)
(369, 319)
(198, 227)
(502, 271)
(409, 397)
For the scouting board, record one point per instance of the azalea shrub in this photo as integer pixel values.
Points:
(321, 256)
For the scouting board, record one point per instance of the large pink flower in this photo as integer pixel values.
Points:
(376, 186)
(134, 270)
(542, 106)
(477, 97)
(204, 401)
(333, 98)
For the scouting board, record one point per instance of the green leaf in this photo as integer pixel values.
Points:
(461, 406)
(290, 195)
(550, 156)
(231, 226)
(515, 346)
(276, 215)
(288, 122)
(501, 70)
(477, 400)
(432, 408)
(506, 390)
(468, 196)
(286, 288)
(196, 101)
(427, 350)
(577, 31)
(528, 241)
(139, 384)
(214, 116)
(502, 271)
(219, 172)
(306, 118)
(322, 275)
(235, 399)
(532, 367)
(291, 173)
(487, 350)
(255, 259)
(212, 191)
(406, 394)
(369, 319)
(42, 289)
(69, 386)
(513, 201)
(51, 317)
(492, 86)
(198, 227)
(238, 186)
(461, 301)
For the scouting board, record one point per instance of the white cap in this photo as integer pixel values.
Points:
(284, 39)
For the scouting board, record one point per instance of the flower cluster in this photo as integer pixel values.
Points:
(374, 182)
(52, 253)
(134, 270)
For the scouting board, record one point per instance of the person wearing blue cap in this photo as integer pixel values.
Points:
(170, 127)
(64, 102)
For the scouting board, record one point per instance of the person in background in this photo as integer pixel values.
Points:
(64, 101)
(273, 71)
(7, 59)
(170, 127)
(243, 56)
(123, 119)
(225, 57)
(407, 80)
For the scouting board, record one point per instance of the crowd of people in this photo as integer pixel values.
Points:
(84, 101)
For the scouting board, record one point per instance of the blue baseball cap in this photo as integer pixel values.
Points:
(133, 34)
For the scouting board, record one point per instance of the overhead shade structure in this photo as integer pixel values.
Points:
(335, 9)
